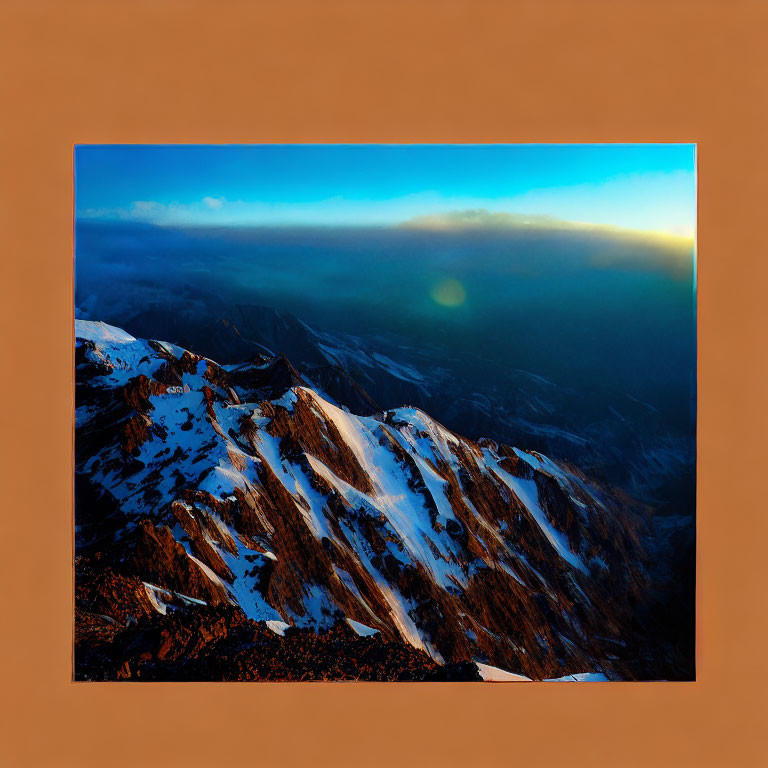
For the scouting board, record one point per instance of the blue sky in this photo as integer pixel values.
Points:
(640, 186)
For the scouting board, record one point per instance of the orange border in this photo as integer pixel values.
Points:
(423, 70)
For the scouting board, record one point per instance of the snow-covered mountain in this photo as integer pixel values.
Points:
(234, 522)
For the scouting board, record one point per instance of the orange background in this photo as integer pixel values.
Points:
(395, 71)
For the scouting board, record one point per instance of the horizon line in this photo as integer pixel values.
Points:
(435, 223)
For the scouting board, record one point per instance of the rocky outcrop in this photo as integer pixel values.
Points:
(220, 644)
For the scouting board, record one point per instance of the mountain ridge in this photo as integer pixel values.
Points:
(241, 496)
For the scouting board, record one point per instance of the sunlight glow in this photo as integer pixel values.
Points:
(448, 293)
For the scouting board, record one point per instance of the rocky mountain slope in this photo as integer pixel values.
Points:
(233, 522)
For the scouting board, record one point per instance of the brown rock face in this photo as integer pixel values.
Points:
(203, 515)
(301, 431)
(153, 552)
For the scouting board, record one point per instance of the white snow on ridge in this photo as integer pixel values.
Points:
(539, 461)
(417, 419)
(544, 463)
(155, 595)
(278, 627)
(404, 509)
(362, 629)
(526, 491)
(496, 675)
(161, 598)
(117, 348)
(171, 348)
(101, 333)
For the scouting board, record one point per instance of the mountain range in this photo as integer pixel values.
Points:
(276, 517)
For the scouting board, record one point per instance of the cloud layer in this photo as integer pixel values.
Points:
(650, 202)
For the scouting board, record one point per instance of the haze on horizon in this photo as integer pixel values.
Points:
(641, 187)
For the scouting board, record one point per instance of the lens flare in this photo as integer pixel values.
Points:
(448, 293)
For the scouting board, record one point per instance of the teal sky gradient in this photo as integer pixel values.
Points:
(635, 186)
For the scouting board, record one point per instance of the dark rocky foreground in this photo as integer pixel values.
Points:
(218, 643)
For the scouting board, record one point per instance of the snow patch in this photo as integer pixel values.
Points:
(362, 629)
(101, 333)
(496, 675)
(278, 627)
(580, 677)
